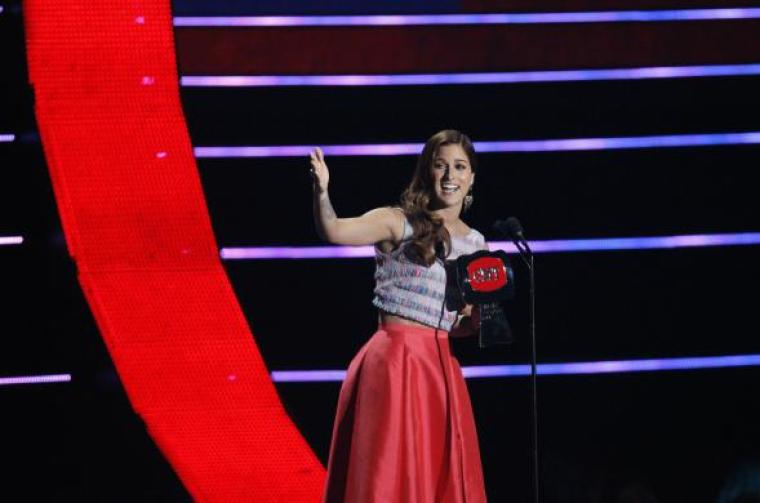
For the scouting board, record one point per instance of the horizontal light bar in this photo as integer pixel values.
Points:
(295, 252)
(432, 79)
(548, 246)
(40, 379)
(579, 368)
(558, 145)
(7, 138)
(625, 16)
(11, 240)
(637, 243)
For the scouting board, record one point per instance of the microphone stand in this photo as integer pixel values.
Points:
(527, 256)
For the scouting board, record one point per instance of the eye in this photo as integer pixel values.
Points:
(439, 165)
(461, 167)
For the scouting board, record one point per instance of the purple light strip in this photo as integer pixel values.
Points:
(303, 150)
(11, 240)
(558, 145)
(296, 252)
(636, 243)
(547, 246)
(657, 72)
(625, 16)
(579, 368)
(41, 379)
(7, 138)
(664, 141)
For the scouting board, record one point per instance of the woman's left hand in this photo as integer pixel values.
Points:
(469, 323)
(475, 317)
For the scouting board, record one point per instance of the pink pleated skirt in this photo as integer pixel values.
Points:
(404, 429)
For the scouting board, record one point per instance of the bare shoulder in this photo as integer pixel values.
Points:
(480, 239)
(474, 235)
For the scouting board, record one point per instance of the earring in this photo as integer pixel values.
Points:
(468, 199)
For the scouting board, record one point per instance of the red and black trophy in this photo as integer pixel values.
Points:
(485, 279)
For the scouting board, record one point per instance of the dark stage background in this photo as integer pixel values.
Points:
(673, 436)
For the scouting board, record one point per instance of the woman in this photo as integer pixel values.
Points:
(404, 430)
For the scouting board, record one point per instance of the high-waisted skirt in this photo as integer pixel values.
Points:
(404, 430)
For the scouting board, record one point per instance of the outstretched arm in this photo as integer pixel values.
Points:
(380, 224)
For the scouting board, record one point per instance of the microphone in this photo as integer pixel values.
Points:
(512, 228)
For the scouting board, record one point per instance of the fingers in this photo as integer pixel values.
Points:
(317, 156)
(317, 159)
(318, 169)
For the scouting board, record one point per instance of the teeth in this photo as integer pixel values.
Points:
(449, 188)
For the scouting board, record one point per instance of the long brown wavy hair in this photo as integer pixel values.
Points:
(430, 238)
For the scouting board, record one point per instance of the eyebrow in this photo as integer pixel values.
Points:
(455, 160)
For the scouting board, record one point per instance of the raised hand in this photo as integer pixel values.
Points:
(319, 171)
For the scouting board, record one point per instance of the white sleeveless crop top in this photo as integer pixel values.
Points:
(405, 287)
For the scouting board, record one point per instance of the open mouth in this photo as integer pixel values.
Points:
(449, 188)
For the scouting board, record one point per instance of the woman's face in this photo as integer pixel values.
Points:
(452, 176)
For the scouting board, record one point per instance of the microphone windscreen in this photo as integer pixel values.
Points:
(500, 227)
(513, 227)
(510, 227)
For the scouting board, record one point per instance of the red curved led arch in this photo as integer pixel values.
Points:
(136, 223)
